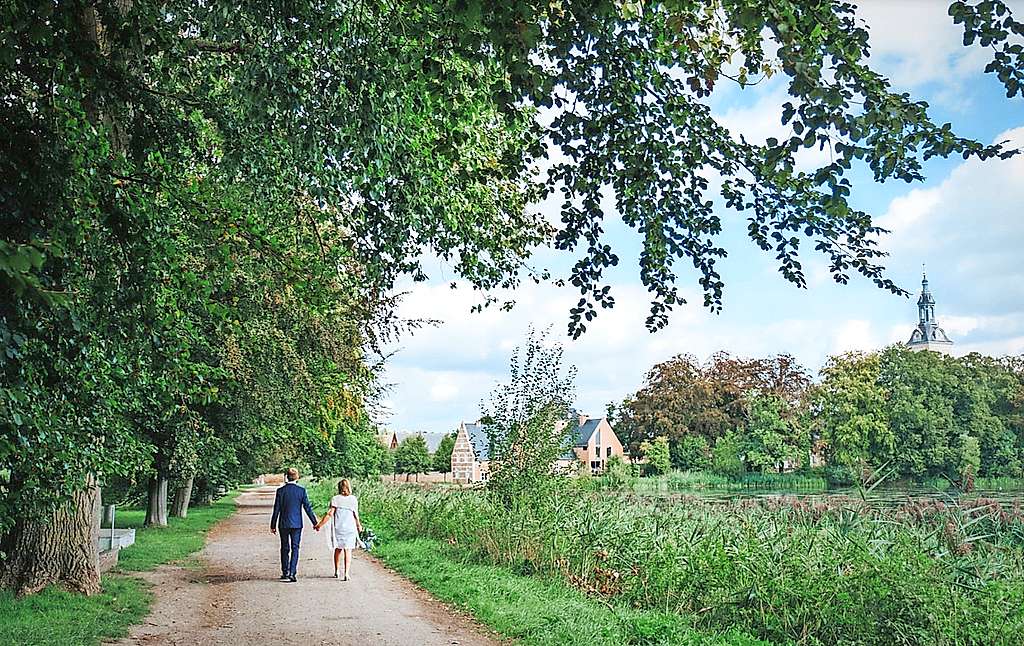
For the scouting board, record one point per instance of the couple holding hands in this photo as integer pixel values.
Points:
(289, 504)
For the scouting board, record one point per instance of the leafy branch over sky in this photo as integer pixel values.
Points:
(206, 206)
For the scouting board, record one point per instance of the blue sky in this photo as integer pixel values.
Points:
(966, 222)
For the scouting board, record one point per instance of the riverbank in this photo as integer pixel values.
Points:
(787, 572)
(534, 610)
(792, 483)
(57, 617)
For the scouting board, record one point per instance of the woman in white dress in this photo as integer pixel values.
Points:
(345, 526)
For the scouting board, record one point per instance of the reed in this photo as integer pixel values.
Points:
(706, 481)
(783, 570)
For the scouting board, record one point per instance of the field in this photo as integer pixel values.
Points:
(778, 570)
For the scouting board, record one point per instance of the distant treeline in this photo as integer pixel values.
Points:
(912, 415)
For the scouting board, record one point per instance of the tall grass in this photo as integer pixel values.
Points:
(705, 480)
(811, 573)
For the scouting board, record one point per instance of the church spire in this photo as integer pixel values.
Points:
(928, 335)
(925, 303)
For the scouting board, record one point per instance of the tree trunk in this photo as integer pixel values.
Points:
(61, 548)
(156, 509)
(182, 496)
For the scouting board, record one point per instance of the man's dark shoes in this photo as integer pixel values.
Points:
(284, 577)
(292, 579)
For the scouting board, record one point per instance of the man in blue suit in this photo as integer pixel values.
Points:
(290, 502)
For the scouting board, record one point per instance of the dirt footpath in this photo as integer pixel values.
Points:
(235, 598)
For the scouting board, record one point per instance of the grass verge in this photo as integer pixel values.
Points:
(534, 610)
(57, 617)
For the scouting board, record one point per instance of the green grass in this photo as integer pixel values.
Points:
(182, 537)
(57, 617)
(536, 611)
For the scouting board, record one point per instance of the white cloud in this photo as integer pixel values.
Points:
(915, 43)
(443, 389)
(969, 230)
(854, 334)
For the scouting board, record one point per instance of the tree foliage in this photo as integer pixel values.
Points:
(682, 398)
(525, 421)
(442, 458)
(922, 414)
(412, 456)
(656, 453)
(773, 437)
(590, 61)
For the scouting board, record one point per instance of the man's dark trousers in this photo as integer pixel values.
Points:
(290, 537)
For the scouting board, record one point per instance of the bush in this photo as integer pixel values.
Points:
(657, 454)
(690, 452)
(841, 475)
(617, 473)
(726, 459)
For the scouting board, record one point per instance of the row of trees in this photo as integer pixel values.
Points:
(413, 457)
(203, 213)
(917, 414)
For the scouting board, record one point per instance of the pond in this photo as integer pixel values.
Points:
(878, 497)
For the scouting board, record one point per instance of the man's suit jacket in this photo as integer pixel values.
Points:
(289, 503)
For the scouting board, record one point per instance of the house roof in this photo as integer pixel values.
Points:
(580, 437)
(433, 440)
(586, 430)
(479, 441)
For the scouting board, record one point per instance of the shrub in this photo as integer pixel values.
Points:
(726, 458)
(690, 452)
(657, 455)
(841, 475)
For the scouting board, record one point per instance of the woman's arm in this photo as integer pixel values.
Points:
(359, 523)
(323, 519)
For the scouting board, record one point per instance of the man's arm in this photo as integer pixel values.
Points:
(277, 511)
(308, 507)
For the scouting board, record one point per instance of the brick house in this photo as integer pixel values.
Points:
(593, 444)
(471, 456)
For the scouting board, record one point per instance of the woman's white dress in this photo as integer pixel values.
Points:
(343, 523)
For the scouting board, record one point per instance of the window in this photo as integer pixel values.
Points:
(609, 454)
(597, 451)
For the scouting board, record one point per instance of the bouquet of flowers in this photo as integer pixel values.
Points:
(366, 539)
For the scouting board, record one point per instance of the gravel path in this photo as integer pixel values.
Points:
(235, 598)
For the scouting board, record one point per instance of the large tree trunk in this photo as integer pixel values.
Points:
(182, 496)
(156, 508)
(61, 548)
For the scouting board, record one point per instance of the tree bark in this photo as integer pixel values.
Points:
(156, 508)
(182, 496)
(61, 548)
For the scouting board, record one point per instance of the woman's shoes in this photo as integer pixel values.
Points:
(345, 578)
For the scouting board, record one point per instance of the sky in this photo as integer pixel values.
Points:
(965, 224)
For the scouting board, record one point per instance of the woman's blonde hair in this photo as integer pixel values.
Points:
(344, 488)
